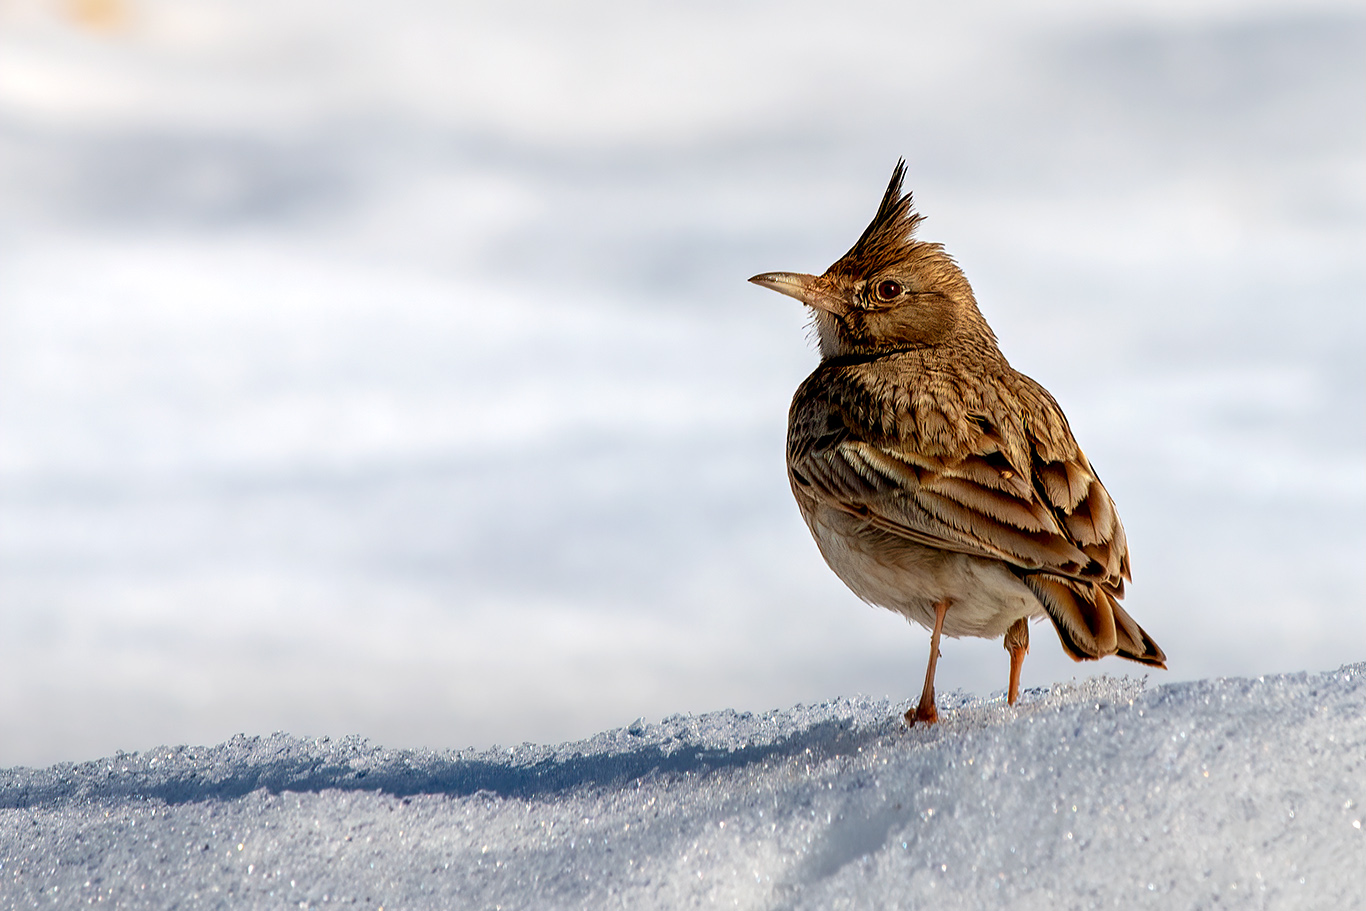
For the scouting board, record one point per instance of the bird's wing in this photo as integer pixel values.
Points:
(1051, 514)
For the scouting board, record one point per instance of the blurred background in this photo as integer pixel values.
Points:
(389, 368)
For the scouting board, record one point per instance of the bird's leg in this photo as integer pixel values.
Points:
(1017, 643)
(925, 712)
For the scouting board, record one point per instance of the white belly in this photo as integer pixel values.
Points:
(985, 597)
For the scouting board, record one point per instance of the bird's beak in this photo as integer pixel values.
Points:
(809, 289)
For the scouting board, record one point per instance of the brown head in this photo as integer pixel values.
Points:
(890, 291)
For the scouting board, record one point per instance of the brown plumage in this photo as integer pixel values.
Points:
(938, 481)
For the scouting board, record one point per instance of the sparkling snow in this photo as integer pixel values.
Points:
(1229, 792)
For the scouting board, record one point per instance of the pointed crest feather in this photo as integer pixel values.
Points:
(889, 236)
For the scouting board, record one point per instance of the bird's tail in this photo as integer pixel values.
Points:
(1090, 622)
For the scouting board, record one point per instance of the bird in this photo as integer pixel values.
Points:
(938, 481)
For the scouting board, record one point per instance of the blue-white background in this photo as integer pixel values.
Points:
(388, 368)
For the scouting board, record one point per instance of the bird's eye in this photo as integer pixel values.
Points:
(888, 290)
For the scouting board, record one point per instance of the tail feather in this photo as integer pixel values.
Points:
(1090, 622)
(1080, 611)
(1134, 643)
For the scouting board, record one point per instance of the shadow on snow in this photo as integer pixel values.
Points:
(279, 763)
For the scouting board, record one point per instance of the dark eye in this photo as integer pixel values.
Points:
(888, 290)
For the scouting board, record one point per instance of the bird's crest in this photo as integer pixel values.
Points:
(889, 238)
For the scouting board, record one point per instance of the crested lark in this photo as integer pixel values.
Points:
(937, 481)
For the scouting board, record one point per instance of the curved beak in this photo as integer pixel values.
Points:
(809, 289)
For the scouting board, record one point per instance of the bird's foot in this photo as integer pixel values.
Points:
(924, 713)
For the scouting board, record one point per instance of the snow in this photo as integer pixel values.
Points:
(1231, 792)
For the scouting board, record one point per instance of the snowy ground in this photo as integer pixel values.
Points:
(1105, 794)
(389, 368)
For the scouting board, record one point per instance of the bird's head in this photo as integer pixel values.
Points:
(890, 291)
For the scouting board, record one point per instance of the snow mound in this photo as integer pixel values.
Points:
(1236, 792)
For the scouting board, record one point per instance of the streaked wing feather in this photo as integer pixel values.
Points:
(945, 507)
(1064, 483)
